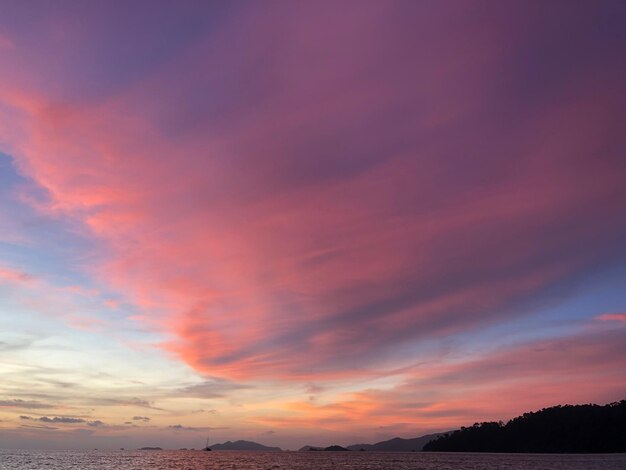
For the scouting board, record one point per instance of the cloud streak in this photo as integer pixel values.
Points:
(55, 419)
(618, 317)
(14, 276)
(25, 404)
(180, 427)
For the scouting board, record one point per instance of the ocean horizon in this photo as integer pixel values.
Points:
(13, 459)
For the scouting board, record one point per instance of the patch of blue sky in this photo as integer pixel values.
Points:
(55, 251)
(568, 311)
(53, 247)
(34, 226)
(602, 291)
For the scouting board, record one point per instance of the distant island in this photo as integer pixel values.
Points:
(307, 448)
(336, 448)
(397, 444)
(150, 448)
(333, 448)
(244, 445)
(558, 429)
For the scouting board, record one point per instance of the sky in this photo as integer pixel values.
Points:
(325, 222)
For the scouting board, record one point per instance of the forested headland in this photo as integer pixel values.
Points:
(558, 429)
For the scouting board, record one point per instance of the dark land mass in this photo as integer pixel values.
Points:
(307, 448)
(244, 445)
(334, 448)
(151, 448)
(559, 429)
(397, 444)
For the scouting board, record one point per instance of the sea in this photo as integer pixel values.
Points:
(233, 460)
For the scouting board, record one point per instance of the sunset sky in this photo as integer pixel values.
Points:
(307, 222)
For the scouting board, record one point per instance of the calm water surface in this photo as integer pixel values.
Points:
(196, 460)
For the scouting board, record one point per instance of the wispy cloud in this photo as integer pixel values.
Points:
(14, 276)
(131, 402)
(617, 317)
(55, 419)
(25, 404)
(31, 426)
(367, 225)
(179, 427)
(96, 424)
(213, 388)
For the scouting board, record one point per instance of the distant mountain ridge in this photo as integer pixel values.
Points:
(307, 448)
(397, 444)
(333, 448)
(244, 445)
(558, 429)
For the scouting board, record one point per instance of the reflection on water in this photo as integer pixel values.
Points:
(195, 460)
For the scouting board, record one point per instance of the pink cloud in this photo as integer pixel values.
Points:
(304, 208)
(618, 317)
(14, 276)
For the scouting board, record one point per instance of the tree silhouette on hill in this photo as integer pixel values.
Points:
(559, 429)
